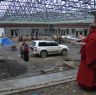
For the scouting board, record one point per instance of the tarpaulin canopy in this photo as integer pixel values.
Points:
(5, 41)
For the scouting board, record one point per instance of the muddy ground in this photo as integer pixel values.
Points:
(9, 68)
(11, 65)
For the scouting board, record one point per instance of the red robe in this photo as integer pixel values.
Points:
(87, 70)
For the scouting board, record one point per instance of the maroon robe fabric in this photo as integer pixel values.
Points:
(87, 70)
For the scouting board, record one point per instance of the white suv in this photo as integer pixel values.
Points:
(44, 48)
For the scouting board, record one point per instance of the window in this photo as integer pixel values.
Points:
(14, 33)
(85, 32)
(67, 30)
(54, 44)
(48, 44)
(33, 43)
(51, 44)
(42, 44)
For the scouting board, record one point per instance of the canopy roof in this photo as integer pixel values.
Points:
(46, 11)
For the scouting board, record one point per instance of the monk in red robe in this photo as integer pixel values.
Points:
(86, 76)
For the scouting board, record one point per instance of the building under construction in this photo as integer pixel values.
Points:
(46, 17)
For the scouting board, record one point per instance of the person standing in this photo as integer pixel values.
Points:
(22, 49)
(86, 76)
(26, 52)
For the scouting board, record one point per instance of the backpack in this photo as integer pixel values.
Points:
(26, 48)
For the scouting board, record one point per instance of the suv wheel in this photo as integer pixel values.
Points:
(43, 53)
(64, 52)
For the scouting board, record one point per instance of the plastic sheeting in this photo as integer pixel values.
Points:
(6, 42)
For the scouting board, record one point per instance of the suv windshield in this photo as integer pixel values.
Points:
(33, 43)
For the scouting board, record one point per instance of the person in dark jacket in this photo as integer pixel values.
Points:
(22, 49)
(26, 52)
(86, 76)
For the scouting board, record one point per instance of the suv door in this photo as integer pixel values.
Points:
(56, 47)
(46, 46)
(52, 47)
(49, 48)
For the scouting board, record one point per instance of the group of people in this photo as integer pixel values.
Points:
(24, 51)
